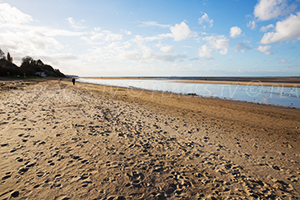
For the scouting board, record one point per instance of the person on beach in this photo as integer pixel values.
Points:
(73, 80)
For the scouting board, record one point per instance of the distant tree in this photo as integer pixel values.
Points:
(27, 59)
(9, 58)
(39, 62)
(2, 54)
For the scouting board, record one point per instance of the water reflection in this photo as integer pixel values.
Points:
(275, 95)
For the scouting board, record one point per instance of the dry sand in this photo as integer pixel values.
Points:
(60, 141)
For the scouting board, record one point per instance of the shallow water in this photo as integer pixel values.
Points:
(273, 95)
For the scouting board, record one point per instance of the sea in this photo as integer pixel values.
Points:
(270, 95)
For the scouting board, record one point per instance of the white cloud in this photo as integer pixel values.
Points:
(73, 24)
(181, 31)
(31, 43)
(285, 30)
(282, 60)
(168, 57)
(266, 28)
(205, 52)
(110, 51)
(12, 15)
(143, 49)
(12, 19)
(153, 23)
(214, 43)
(269, 9)
(219, 42)
(24, 39)
(167, 48)
(60, 59)
(158, 37)
(235, 31)
(205, 19)
(57, 32)
(51, 32)
(143, 56)
(265, 50)
(241, 47)
(20, 38)
(251, 24)
(136, 50)
(126, 32)
(70, 20)
(105, 35)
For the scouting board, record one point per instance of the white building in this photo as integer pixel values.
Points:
(40, 74)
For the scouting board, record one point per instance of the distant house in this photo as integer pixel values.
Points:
(40, 74)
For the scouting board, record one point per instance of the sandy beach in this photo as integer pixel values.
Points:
(59, 141)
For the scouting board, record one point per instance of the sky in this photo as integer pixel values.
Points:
(155, 37)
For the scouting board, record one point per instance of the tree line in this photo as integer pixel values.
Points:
(29, 67)
(8, 57)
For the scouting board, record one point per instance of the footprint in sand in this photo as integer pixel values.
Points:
(19, 159)
(51, 163)
(116, 198)
(40, 174)
(135, 178)
(22, 170)
(15, 194)
(8, 175)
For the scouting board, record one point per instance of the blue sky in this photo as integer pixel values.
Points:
(155, 38)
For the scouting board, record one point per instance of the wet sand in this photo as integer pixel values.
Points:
(60, 141)
(250, 83)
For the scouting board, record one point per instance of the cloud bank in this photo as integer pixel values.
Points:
(270, 9)
(285, 30)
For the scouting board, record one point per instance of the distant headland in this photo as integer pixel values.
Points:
(28, 68)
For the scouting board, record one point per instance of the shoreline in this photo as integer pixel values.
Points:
(253, 81)
(139, 91)
(211, 97)
(90, 141)
(34, 81)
